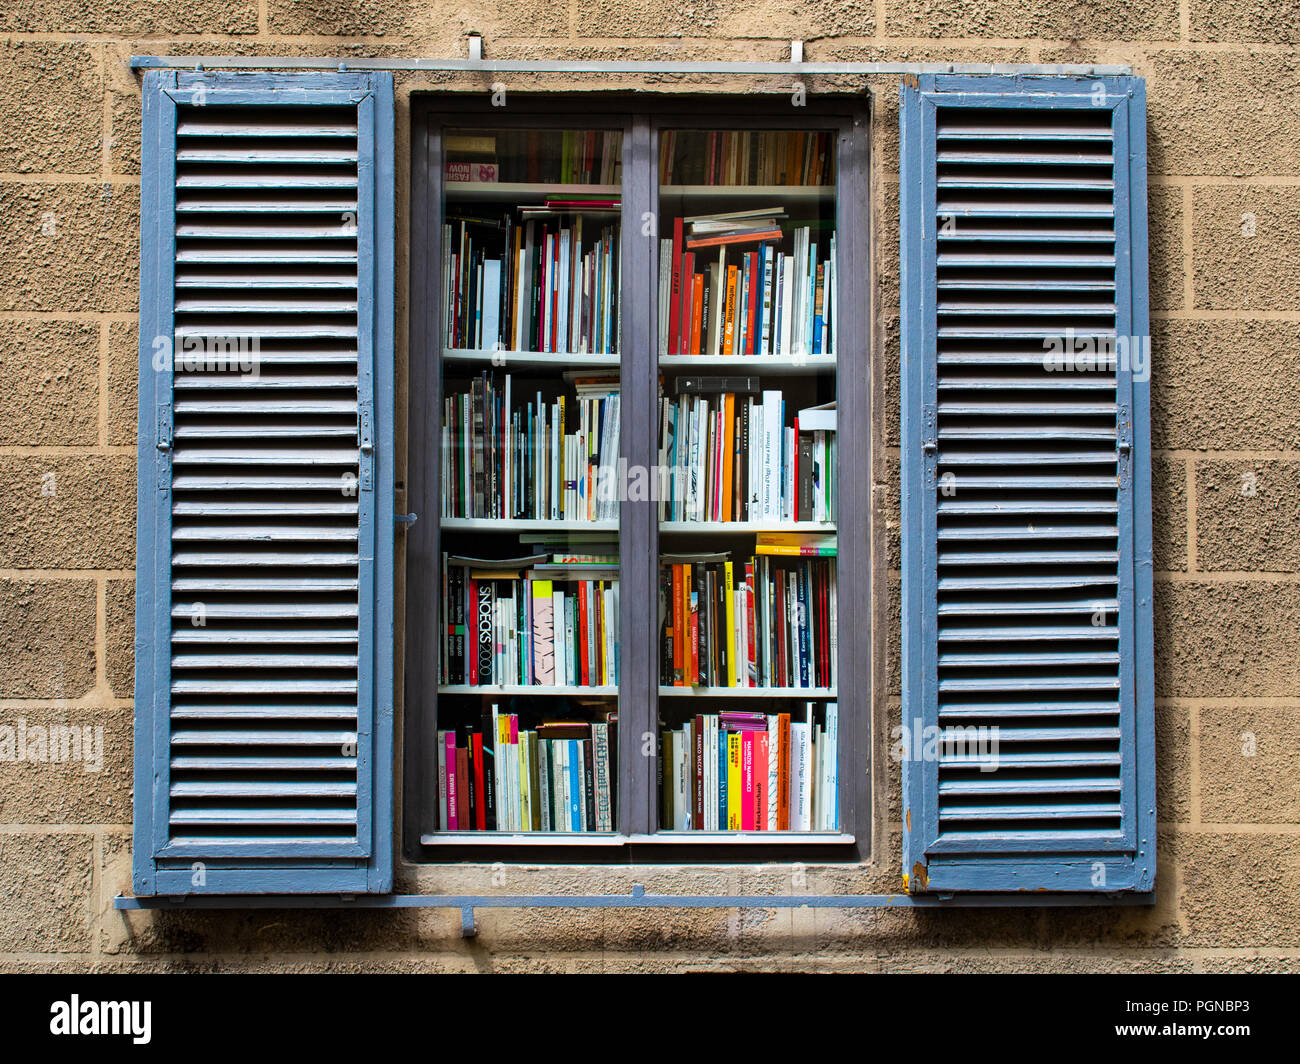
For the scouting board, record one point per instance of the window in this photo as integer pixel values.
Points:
(719, 231)
(609, 295)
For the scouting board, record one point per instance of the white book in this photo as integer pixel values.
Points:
(560, 762)
(543, 780)
(773, 768)
(682, 776)
(561, 658)
(498, 759)
(772, 455)
(831, 774)
(765, 301)
(711, 781)
(800, 780)
(491, 331)
(565, 285)
(665, 291)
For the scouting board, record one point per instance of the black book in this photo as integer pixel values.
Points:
(693, 385)
(471, 790)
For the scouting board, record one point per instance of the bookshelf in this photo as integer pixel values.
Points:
(528, 277)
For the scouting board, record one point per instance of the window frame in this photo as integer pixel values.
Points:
(643, 116)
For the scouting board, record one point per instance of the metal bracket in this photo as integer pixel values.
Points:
(796, 52)
(164, 446)
(406, 519)
(467, 927)
(476, 47)
(366, 444)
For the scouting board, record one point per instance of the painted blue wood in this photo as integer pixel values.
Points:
(162, 865)
(938, 856)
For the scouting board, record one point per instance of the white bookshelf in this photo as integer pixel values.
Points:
(742, 528)
(502, 524)
(507, 360)
(541, 690)
(521, 191)
(811, 694)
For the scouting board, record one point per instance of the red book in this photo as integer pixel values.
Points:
(480, 811)
(471, 633)
(698, 811)
(747, 781)
(674, 307)
(555, 292)
(687, 323)
(734, 238)
(751, 341)
(582, 632)
(762, 746)
(697, 313)
(453, 796)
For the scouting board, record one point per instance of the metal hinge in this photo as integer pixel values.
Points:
(930, 441)
(1124, 443)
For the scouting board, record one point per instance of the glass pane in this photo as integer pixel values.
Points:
(747, 441)
(527, 710)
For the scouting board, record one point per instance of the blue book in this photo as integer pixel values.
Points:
(575, 785)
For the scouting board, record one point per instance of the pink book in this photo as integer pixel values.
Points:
(453, 790)
(747, 781)
(759, 775)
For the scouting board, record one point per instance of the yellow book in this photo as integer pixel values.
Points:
(734, 782)
(728, 595)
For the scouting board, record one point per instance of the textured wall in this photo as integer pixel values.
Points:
(1224, 87)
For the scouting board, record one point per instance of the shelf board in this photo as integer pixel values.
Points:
(748, 363)
(800, 192)
(806, 693)
(741, 528)
(659, 838)
(509, 191)
(531, 359)
(523, 838)
(489, 690)
(496, 524)
(753, 838)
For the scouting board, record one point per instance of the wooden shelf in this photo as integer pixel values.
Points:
(743, 528)
(507, 191)
(800, 192)
(812, 694)
(505, 689)
(501, 524)
(523, 838)
(748, 364)
(531, 359)
(752, 838)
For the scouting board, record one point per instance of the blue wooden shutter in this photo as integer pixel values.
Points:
(264, 568)
(1026, 486)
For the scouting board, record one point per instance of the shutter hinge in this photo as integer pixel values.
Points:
(164, 446)
(930, 441)
(366, 443)
(1124, 427)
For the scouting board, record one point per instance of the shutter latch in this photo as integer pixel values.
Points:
(1124, 427)
(164, 446)
(366, 442)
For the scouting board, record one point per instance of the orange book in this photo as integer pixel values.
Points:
(729, 313)
(679, 632)
(783, 772)
(697, 313)
(728, 427)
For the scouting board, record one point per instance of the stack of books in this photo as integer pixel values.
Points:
(742, 771)
(769, 622)
(548, 619)
(727, 454)
(560, 776)
(746, 157)
(576, 156)
(750, 301)
(513, 456)
(521, 284)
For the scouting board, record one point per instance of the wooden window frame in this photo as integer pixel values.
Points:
(642, 116)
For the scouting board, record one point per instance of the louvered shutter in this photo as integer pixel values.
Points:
(1027, 697)
(265, 511)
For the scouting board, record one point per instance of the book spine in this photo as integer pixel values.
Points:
(442, 780)
(480, 784)
(698, 798)
(734, 782)
(747, 806)
(453, 795)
